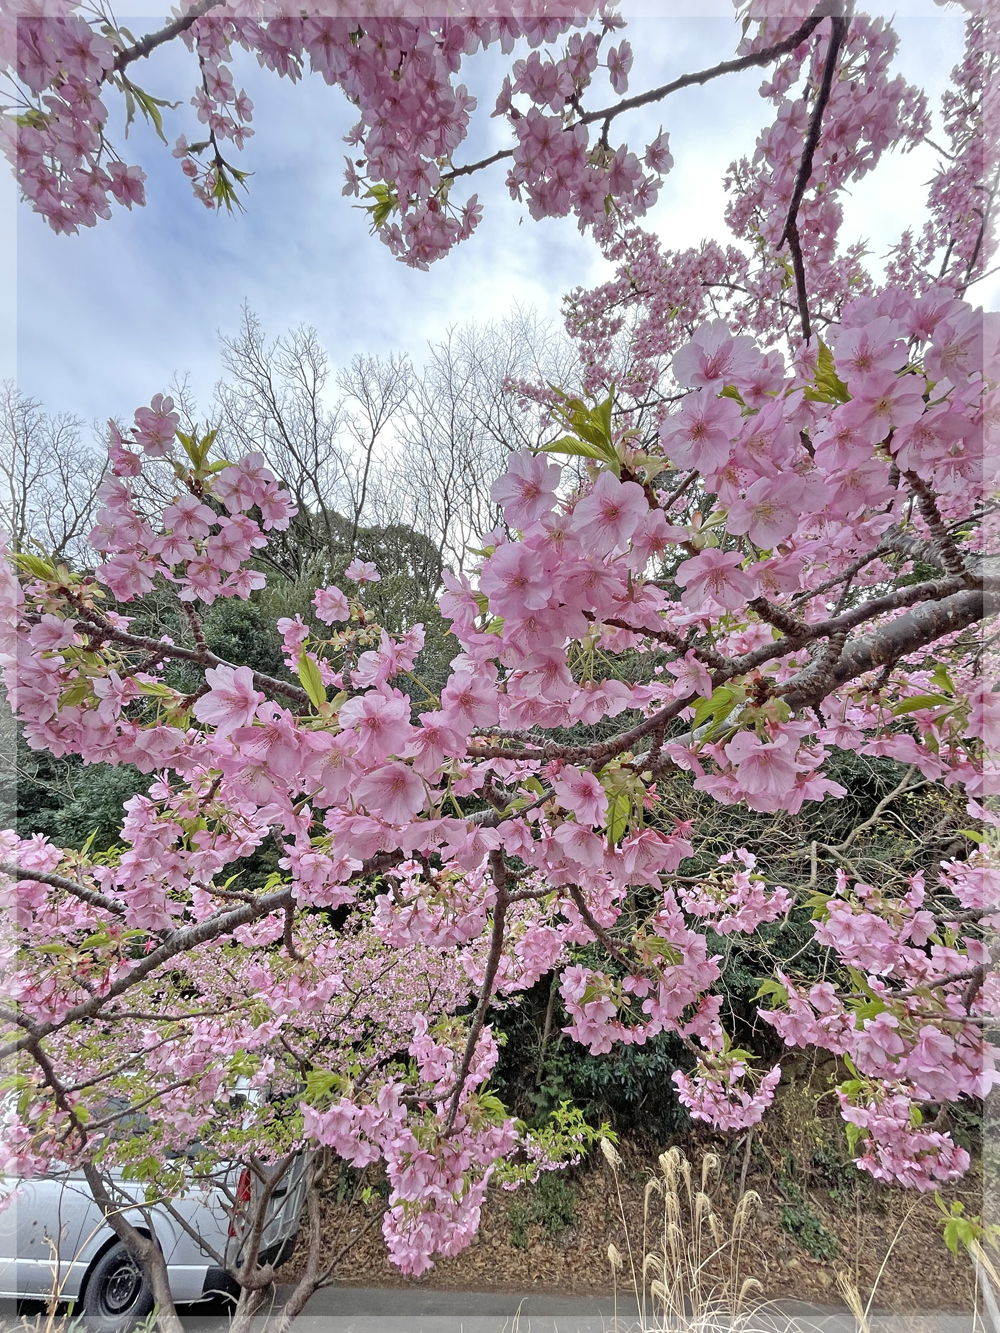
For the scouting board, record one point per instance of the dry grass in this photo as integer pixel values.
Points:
(690, 1266)
(690, 1272)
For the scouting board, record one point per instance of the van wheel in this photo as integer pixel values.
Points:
(117, 1295)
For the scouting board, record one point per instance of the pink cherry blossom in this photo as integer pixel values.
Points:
(515, 581)
(701, 434)
(393, 791)
(605, 519)
(362, 571)
(582, 794)
(692, 676)
(331, 605)
(527, 490)
(714, 578)
(715, 357)
(382, 723)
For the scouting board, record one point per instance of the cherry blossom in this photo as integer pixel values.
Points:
(766, 551)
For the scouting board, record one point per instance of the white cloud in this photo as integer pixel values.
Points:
(106, 317)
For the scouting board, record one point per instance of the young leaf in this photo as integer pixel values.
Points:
(918, 702)
(312, 681)
(619, 811)
(578, 448)
(772, 989)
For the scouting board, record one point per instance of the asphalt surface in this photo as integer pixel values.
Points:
(406, 1310)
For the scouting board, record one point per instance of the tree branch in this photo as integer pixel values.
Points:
(89, 621)
(181, 941)
(608, 114)
(498, 871)
(947, 552)
(90, 896)
(755, 58)
(886, 645)
(147, 45)
(838, 31)
(600, 934)
(790, 232)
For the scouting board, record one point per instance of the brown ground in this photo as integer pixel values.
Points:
(826, 1205)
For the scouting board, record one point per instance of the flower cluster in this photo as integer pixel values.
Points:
(400, 73)
(768, 552)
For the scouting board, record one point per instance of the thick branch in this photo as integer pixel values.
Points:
(143, 1250)
(148, 44)
(937, 592)
(905, 635)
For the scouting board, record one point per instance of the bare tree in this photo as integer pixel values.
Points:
(50, 477)
(323, 433)
(374, 390)
(378, 445)
(464, 415)
(276, 402)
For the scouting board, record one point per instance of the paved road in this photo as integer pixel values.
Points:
(409, 1310)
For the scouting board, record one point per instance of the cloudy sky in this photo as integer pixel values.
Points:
(105, 318)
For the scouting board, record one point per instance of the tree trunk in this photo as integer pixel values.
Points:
(143, 1250)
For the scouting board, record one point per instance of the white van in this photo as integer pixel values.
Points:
(54, 1240)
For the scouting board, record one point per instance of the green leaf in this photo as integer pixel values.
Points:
(942, 679)
(94, 941)
(668, 953)
(918, 702)
(960, 1231)
(197, 450)
(568, 444)
(385, 199)
(860, 983)
(601, 416)
(223, 191)
(148, 105)
(312, 681)
(718, 706)
(77, 692)
(492, 1108)
(829, 386)
(35, 565)
(156, 689)
(321, 1084)
(619, 813)
(592, 437)
(772, 989)
(869, 1009)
